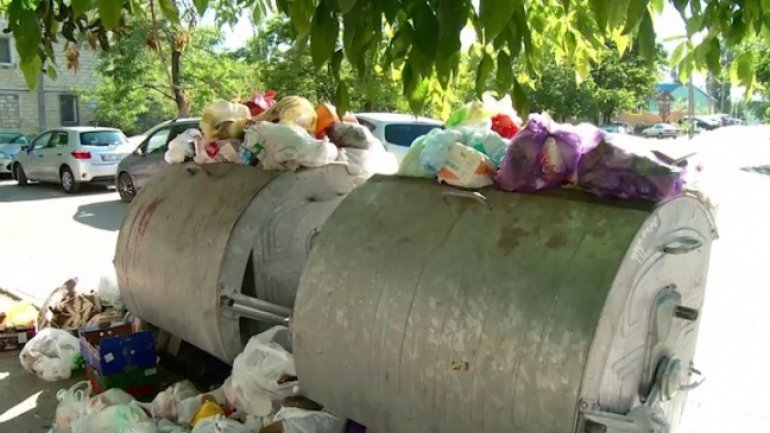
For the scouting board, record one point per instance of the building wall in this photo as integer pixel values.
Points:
(19, 105)
(703, 103)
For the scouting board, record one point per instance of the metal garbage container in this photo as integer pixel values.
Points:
(427, 309)
(213, 254)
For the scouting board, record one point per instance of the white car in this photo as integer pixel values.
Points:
(661, 130)
(397, 131)
(72, 156)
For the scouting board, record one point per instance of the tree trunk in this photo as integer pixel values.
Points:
(180, 95)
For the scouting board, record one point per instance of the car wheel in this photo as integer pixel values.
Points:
(68, 183)
(19, 175)
(126, 187)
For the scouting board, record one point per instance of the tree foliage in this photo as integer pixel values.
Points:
(422, 37)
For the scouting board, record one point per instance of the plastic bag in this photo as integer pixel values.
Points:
(366, 163)
(545, 154)
(263, 373)
(471, 114)
(504, 126)
(219, 424)
(50, 354)
(110, 397)
(107, 289)
(166, 426)
(292, 110)
(224, 120)
(309, 421)
(207, 152)
(183, 146)
(326, 116)
(615, 168)
(487, 142)
(21, 315)
(68, 308)
(208, 409)
(166, 403)
(116, 419)
(286, 147)
(345, 134)
(436, 150)
(73, 403)
(410, 164)
(467, 168)
(260, 103)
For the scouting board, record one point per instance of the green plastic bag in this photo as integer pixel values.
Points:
(410, 165)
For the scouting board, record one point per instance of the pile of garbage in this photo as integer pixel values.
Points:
(484, 145)
(283, 135)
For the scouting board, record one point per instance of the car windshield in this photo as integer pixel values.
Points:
(403, 134)
(102, 138)
(11, 138)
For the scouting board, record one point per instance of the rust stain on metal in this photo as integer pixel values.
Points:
(557, 240)
(144, 217)
(509, 239)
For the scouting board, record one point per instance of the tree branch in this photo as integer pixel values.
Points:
(158, 89)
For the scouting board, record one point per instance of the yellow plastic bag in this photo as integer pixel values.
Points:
(292, 110)
(223, 120)
(208, 409)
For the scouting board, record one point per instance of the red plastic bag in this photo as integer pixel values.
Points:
(260, 102)
(504, 125)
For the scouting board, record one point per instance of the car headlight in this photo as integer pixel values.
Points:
(4, 155)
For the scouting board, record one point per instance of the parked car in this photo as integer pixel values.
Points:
(707, 123)
(148, 157)
(11, 142)
(397, 131)
(613, 128)
(71, 156)
(661, 130)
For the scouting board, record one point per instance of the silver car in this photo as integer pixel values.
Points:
(148, 158)
(71, 156)
(11, 143)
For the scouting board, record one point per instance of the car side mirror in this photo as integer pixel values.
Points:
(139, 151)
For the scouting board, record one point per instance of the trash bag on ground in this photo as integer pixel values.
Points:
(617, 169)
(110, 397)
(21, 315)
(346, 134)
(72, 406)
(297, 420)
(467, 168)
(208, 152)
(263, 373)
(292, 110)
(287, 147)
(545, 154)
(224, 120)
(68, 308)
(182, 147)
(50, 354)
(220, 424)
(166, 403)
(410, 164)
(116, 419)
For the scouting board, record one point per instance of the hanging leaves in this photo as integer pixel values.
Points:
(323, 35)
(482, 73)
(201, 5)
(636, 9)
(169, 10)
(647, 37)
(110, 12)
(504, 76)
(345, 6)
(494, 16)
(79, 7)
(742, 69)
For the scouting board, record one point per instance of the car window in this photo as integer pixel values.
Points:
(180, 128)
(42, 141)
(102, 138)
(403, 134)
(59, 138)
(156, 143)
(11, 138)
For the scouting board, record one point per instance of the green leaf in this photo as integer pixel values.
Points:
(336, 64)
(494, 16)
(110, 12)
(647, 37)
(695, 24)
(410, 78)
(599, 7)
(323, 35)
(483, 72)
(742, 68)
(681, 6)
(79, 7)
(634, 14)
(452, 17)
(714, 55)
(31, 69)
(504, 76)
(678, 54)
(657, 6)
(301, 14)
(342, 98)
(51, 72)
(425, 30)
(520, 99)
(202, 5)
(169, 10)
(345, 6)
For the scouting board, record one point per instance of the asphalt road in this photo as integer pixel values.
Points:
(47, 237)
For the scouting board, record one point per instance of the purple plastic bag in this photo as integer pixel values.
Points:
(545, 154)
(616, 169)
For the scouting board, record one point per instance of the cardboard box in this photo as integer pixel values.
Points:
(117, 349)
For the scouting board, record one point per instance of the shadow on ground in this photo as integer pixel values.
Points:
(104, 215)
(761, 169)
(27, 403)
(10, 192)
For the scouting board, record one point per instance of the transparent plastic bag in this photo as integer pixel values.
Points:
(110, 397)
(209, 152)
(107, 289)
(167, 426)
(220, 424)
(466, 167)
(487, 142)
(345, 134)
(410, 165)
(297, 420)
(116, 419)
(224, 120)
(50, 354)
(366, 163)
(263, 374)
(73, 403)
(436, 151)
(183, 146)
(166, 403)
(288, 147)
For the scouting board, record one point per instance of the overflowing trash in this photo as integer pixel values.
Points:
(51, 354)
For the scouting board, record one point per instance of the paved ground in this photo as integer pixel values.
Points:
(49, 236)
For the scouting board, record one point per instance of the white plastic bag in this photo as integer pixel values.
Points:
(297, 420)
(166, 404)
(257, 371)
(50, 354)
(223, 120)
(116, 419)
(367, 163)
(436, 150)
(467, 168)
(208, 152)
(110, 397)
(288, 147)
(72, 405)
(183, 146)
(166, 426)
(107, 289)
(219, 424)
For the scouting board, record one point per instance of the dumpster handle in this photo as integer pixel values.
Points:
(473, 195)
(682, 245)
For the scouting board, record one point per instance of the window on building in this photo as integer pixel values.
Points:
(68, 109)
(5, 51)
